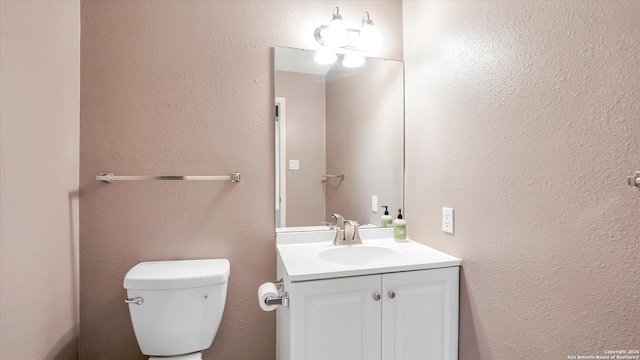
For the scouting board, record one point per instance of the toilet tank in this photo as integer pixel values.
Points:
(182, 304)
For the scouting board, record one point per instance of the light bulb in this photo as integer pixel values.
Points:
(336, 31)
(369, 38)
(325, 56)
(352, 60)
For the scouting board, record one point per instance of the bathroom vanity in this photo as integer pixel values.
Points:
(379, 300)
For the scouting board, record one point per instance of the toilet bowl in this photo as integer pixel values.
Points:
(176, 306)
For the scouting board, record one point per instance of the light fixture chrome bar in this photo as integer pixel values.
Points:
(318, 36)
(109, 177)
(341, 176)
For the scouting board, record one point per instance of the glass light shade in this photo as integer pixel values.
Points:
(352, 60)
(325, 56)
(369, 38)
(336, 34)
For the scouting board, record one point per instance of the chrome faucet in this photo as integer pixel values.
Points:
(339, 220)
(337, 225)
(344, 237)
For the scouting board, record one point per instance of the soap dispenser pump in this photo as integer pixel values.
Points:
(400, 228)
(386, 220)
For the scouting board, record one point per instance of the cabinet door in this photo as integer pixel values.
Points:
(420, 315)
(336, 319)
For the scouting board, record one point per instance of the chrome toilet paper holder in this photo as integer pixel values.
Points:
(281, 299)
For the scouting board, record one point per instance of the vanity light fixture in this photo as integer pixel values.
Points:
(325, 56)
(352, 60)
(369, 38)
(337, 30)
(337, 37)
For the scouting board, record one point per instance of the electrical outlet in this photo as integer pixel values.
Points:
(447, 220)
(374, 204)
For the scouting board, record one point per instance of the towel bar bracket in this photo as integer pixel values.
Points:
(634, 180)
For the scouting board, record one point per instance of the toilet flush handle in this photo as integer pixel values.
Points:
(137, 301)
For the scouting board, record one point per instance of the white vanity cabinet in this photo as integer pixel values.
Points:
(381, 299)
(420, 314)
(336, 319)
(399, 315)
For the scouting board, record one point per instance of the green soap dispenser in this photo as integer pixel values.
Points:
(400, 228)
(386, 220)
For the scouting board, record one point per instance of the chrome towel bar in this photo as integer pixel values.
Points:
(109, 177)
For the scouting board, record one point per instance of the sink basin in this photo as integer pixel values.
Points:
(359, 255)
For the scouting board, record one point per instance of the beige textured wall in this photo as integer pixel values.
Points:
(305, 141)
(524, 117)
(39, 147)
(365, 133)
(186, 87)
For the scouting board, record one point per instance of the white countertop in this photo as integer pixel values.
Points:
(299, 253)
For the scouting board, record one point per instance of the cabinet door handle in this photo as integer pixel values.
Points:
(392, 294)
(376, 297)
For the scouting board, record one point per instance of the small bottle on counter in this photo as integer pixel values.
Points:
(400, 228)
(386, 219)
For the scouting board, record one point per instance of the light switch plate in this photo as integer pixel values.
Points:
(447, 220)
(294, 164)
(374, 204)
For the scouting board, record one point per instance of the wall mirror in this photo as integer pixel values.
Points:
(339, 139)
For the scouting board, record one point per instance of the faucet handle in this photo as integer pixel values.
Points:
(355, 234)
(330, 225)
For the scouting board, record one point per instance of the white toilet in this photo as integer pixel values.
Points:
(176, 306)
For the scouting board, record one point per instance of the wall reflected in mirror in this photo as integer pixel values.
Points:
(339, 139)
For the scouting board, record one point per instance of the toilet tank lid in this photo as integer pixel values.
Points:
(177, 274)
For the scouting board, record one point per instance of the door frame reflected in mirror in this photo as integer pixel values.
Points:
(281, 159)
